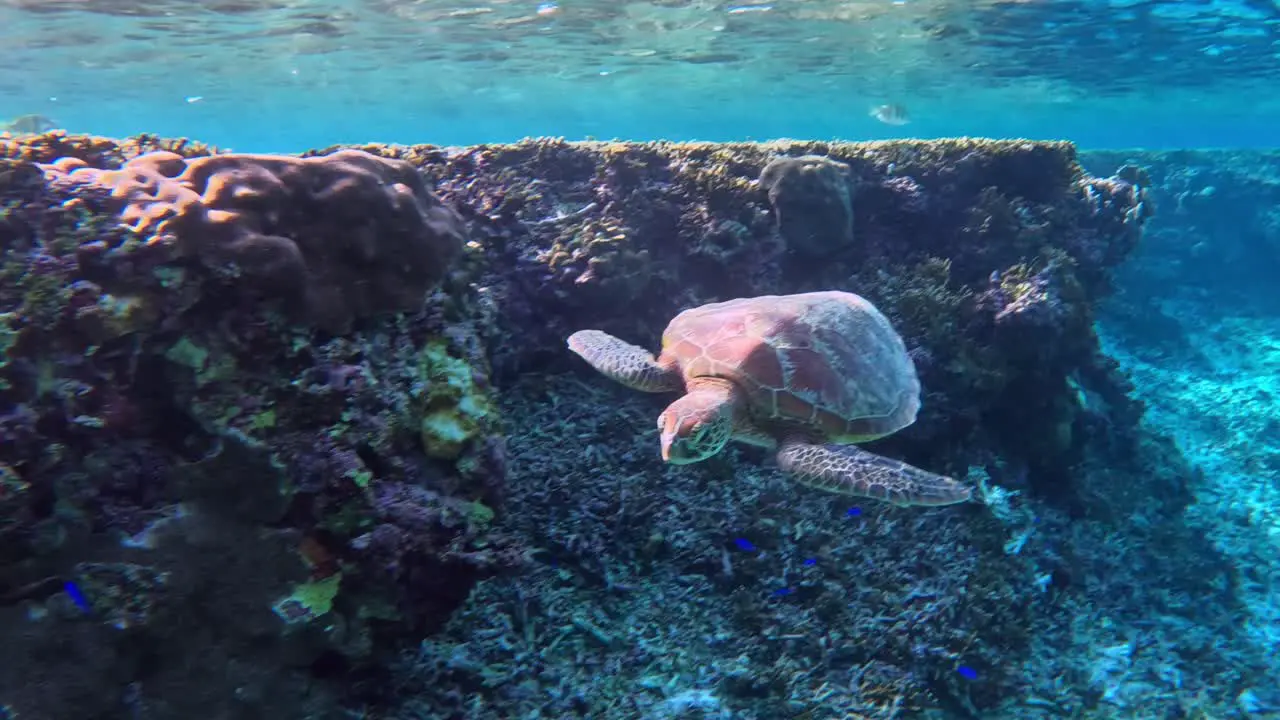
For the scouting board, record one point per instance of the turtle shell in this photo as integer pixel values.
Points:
(827, 363)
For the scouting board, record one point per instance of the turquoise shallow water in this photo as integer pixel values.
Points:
(286, 76)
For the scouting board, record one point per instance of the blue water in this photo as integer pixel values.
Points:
(290, 76)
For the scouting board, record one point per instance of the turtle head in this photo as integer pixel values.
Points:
(696, 426)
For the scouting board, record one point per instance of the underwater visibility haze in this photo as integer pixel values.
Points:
(652, 360)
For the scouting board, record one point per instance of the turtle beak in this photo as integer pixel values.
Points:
(667, 438)
(667, 430)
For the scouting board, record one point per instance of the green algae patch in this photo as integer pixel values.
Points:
(479, 515)
(186, 353)
(207, 368)
(264, 420)
(309, 600)
(456, 409)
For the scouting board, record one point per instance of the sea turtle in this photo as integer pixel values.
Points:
(807, 375)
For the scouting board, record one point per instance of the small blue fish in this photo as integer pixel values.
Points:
(967, 672)
(854, 511)
(744, 544)
(811, 561)
(782, 592)
(77, 597)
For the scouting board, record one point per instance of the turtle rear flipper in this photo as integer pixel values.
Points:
(623, 362)
(850, 470)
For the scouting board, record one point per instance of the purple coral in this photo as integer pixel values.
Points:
(1035, 300)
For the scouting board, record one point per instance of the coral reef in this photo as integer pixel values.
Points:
(304, 495)
(253, 484)
(811, 202)
(336, 237)
(989, 255)
(1222, 227)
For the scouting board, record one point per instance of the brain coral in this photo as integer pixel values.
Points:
(336, 237)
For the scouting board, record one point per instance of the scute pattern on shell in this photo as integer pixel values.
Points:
(827, 362)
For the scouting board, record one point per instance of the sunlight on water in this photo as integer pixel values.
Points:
(493, 71)
(306, 72)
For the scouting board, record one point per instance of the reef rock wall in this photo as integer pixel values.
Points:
(987, 256)
(286, 415)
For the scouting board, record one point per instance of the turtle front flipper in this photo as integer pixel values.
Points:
(628, 364)
(850, 470)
